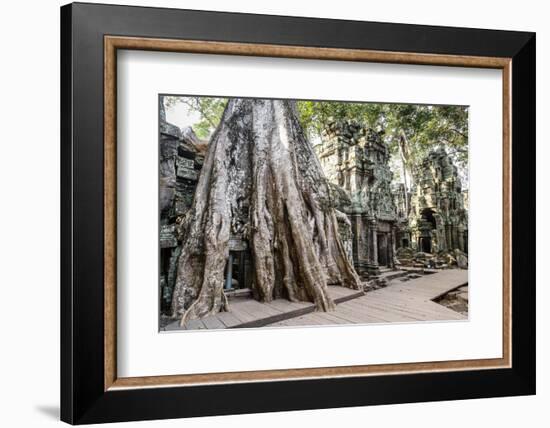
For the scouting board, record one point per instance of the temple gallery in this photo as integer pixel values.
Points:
(260, 225)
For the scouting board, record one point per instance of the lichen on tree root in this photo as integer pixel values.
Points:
(261, 180)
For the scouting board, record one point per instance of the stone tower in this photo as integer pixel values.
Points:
(355, 160)
(439, 218)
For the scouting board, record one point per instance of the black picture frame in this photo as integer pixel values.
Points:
(83, 396)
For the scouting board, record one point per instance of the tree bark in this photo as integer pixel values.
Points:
(404, 151)
(261, 181)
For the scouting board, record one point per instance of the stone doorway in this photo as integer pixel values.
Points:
(383, 247)
(426, 244)
(235, 271)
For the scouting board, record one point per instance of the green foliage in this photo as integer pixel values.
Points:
(411, 130)
(315, 115)
(210, 111)
(425, 127)
(419, 128)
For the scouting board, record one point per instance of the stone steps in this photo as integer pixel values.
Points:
(393, 274)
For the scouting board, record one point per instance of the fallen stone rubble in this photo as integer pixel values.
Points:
(441, 260)
(375, 283)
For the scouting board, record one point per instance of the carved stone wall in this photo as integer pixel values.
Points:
(355, 160)
(402, 200)
(439, 216)
(180, 164)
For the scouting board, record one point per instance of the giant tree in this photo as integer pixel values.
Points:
(262, 180)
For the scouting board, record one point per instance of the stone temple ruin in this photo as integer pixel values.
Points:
(181, 159)
(439, 220)
(433, 232)
(355, 160)
(377, 231)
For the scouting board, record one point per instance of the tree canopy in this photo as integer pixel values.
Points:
(411, 130)
(210, 111)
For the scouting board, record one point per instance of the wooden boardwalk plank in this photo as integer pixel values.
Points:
(257, 309)
(318, 318)
(241, 315)
(229, 319)
(285, 305)
(352, 314)
(382, 313)
(415, 306)
(408, 301)
(301, 320)
(194, 325)
(331, 318)
(213, 323)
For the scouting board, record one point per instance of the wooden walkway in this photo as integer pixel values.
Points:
(247, 312)
(409, 301)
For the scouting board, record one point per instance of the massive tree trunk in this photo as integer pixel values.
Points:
(262, 182)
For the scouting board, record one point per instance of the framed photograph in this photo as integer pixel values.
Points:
(266, 213)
